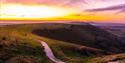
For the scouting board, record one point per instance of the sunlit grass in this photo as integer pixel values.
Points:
(22, 34)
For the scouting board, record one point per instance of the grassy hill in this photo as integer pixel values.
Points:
(72, 43)
(83, 34)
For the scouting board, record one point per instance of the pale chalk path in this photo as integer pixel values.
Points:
(49, 53)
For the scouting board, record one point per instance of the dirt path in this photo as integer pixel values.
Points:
(49, 53)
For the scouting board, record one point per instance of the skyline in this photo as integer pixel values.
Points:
(90, 10)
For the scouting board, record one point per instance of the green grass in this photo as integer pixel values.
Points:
(22, 42)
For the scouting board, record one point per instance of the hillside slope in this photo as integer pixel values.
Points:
(83, 34)
(70, 42)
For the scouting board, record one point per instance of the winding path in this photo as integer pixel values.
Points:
(49, 52)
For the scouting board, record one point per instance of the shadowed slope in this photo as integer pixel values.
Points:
(84, 34)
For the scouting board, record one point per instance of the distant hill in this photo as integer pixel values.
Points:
(117, 29)
(83, 34)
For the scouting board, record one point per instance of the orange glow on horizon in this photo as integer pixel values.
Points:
(19, 11)
(13, 11)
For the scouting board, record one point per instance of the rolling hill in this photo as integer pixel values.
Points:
(83, 34)
(71, 42)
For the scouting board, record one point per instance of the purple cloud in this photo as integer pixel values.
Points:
(74, 1)
(120, 7)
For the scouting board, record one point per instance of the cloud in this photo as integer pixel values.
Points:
(74, 1)
(42, 1)
(54, 2)
(120, 7)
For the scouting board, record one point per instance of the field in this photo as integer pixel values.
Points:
(72, 43)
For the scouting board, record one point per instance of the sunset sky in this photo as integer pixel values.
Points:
(85, 10)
